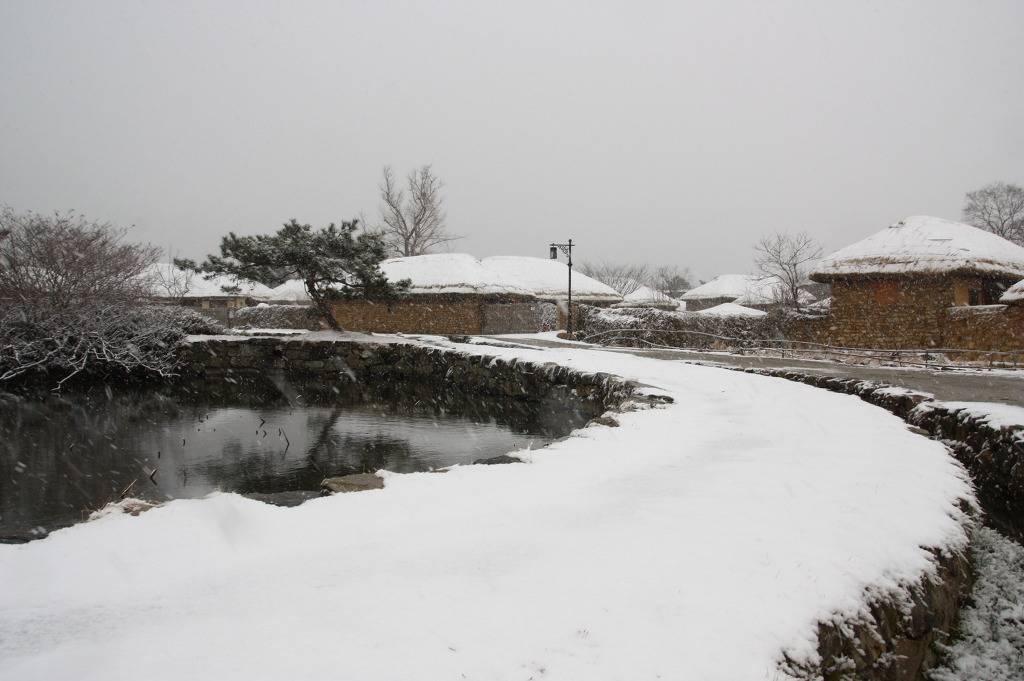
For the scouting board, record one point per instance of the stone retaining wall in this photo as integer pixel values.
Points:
(895, 640)
(347, 362)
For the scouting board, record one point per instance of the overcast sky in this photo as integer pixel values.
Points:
(672, 133)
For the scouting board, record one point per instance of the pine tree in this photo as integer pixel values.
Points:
(335, 262)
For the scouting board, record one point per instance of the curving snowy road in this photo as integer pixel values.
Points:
(695, 541)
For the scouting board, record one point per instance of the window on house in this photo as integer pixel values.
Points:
(991, 292)
(974, 297)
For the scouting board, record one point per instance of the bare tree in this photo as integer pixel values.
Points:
(413, 220)
(786, 257)
(64, 260)
(999, 208)
(623, 278)
(670, 281)
(173, 282)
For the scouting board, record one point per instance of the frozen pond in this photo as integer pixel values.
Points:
(62, 458)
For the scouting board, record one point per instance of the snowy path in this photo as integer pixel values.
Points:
(696, 541)
(1004, 386)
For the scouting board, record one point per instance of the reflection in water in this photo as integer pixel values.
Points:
(63, 457)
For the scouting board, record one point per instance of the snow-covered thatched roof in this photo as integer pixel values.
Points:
(924, 245)
(168, 281)
(768, 291)
(1014, 294)
(731, 310)
(450, 273)
(463, 273)
(723, 286)
(291, 291)
(546, 278)
(645, 295)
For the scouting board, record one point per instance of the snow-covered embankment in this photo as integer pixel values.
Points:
(702, 539)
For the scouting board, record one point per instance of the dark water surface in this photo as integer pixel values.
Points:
(64, 457)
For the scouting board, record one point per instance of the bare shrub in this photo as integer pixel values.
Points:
(74, 300)
(96, 338)
(64, 260)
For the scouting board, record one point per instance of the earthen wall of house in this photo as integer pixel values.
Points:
(987, 329)
(912, 312)
(442, 314)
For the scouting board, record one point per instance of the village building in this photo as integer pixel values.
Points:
(645, 296)
(725, 288)
(923, 283)
(456, 293)
(216, 296)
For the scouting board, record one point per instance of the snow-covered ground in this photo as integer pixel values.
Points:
(990, 640)
(696, 541)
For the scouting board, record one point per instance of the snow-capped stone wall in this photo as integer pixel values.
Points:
(339, 362)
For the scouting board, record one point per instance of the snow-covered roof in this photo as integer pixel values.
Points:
(169, 281)
(646, 294)
(731, 310)
(549, 278)
(768, 291)
(925, 245)
(463, 273)
(723, 286)
(450, 273)
(292, 291)
(1014, 294)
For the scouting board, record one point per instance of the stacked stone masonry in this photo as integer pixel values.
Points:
(918, 312)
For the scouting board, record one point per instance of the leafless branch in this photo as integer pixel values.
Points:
(999, 208)
(786, 257)
(413, 220)
(623, 278)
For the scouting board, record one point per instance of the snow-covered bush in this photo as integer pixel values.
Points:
(548, 313)
(649, 326)
(188, 321)
(74, 294)
(43, 343)
(264, 316)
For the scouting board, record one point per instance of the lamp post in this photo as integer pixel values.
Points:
(567, 249)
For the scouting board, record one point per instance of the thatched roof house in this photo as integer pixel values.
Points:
(645, 296)
(924, 245)
(456, 293)
(725, 288)
(894, 288)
